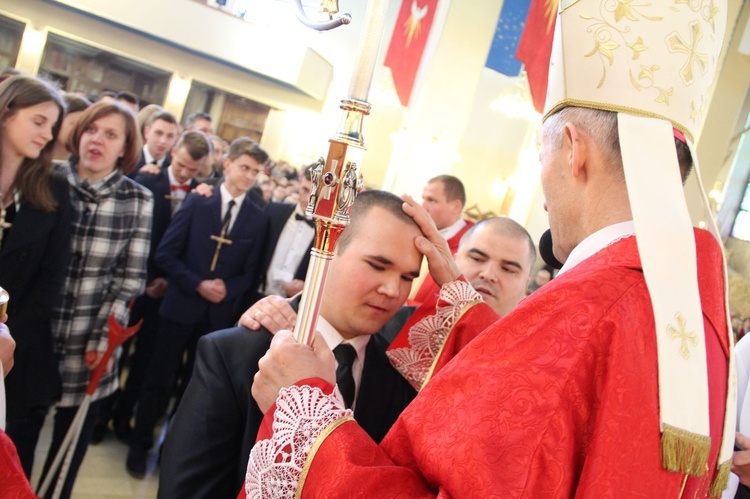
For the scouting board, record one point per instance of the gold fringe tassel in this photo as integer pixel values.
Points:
(721, 479)
(684, 452)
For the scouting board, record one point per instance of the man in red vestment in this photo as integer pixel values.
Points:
(444, 198)
(580, 390)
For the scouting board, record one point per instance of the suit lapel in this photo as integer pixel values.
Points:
(371, 398)
(242, 215)
(163, 190)
(215, 208)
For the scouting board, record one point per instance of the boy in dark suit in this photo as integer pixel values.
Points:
(208, 443)
(210, 252)
(159, 135)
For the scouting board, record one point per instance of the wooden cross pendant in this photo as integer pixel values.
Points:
(220, 241)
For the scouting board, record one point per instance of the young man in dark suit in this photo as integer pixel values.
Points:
(210, 252)
(169, 187)
(208, 443)
(159, 136)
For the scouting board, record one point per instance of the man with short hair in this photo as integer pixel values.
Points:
(495, 256)
(210, 253)
(444, 198)
(159, 136)
(612, 379)
(201, 122)
(208, 442)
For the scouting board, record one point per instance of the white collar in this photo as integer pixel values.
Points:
(150, 159)
(454, 229)
(596, 242)
(225, 196)
(333, 338)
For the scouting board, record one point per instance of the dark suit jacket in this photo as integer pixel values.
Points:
(142, 161)
(33, 263)
(159, 186)
(209, 441)
(186, 251)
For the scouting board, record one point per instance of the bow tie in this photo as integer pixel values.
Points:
(183, 187)
(301, 218)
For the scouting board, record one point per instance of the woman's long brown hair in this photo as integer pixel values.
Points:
(32, 179)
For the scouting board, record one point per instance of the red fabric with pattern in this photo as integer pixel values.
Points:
(429, 288)
(557, 399)
(13, 482)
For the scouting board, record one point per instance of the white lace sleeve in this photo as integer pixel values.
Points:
(302, 414)
(427, 336)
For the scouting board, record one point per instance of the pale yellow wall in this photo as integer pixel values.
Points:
(727, 112)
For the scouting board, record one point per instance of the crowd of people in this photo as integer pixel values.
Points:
(180, 233)
(90, 191)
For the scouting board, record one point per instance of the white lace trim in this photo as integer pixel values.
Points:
(427, 336)
(302, 414)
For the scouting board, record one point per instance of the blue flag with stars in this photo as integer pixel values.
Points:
(502, 56)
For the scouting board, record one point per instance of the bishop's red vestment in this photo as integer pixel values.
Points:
(557, 399)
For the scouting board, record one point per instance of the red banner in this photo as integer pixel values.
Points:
(407, 44)
(535, 47)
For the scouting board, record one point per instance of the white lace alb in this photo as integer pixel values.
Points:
(302, 414)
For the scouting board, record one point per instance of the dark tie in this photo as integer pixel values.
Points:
(308, 221)
(345, 355)
(227, 218)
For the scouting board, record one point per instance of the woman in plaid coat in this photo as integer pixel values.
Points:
(110, 245)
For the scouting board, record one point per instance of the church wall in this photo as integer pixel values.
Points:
(42, 16)
(447, 129)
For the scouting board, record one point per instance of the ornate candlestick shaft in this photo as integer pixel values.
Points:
(337, 179)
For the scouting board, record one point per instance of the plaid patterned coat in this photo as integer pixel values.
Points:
(110, 245)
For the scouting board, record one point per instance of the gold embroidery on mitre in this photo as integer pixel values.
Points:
(680, 333)
(608, 37)
(708, 10)
(676, 44)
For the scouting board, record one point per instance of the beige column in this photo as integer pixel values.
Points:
(177, 94)
(31, 50)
